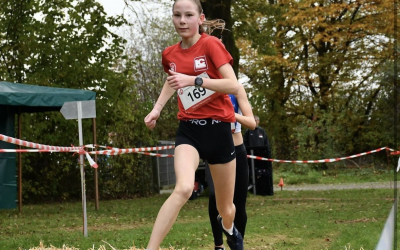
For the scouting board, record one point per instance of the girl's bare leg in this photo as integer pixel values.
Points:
(186, 161)
(223, 176)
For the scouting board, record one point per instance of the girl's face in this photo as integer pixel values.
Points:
(186, 18)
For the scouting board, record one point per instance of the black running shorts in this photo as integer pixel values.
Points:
(212, 139)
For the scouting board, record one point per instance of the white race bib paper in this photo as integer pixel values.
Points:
(192, 98)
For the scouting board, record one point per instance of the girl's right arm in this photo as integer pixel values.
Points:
(165, 95)
(247, 119)
(228, 84)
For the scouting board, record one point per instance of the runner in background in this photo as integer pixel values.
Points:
(244, 116)
(200, 70)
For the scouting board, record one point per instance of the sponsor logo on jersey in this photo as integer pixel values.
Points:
(200, 63)
(172, 67)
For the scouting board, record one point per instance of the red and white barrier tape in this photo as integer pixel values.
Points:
(116, 151)
(92, 163)
(319, 161)
(99, 146)
(40, 148)
(36, 145)
(32, 151)
(155, 154)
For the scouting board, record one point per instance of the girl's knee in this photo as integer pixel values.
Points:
(226, 211)
(184, 191)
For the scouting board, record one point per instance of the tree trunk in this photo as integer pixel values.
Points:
(221, 9)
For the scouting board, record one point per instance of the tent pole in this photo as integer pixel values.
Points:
(19, 165)
(96, 183)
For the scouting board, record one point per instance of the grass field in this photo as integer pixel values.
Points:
(301, 174)
(335, 219)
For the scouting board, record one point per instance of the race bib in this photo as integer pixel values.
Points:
(193, 98)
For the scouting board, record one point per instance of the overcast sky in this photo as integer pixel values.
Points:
(118, 7)
(113, 7)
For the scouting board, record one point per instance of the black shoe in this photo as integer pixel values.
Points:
(235, 241)
(219, 248)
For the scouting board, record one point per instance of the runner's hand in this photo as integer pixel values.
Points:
(151, 118)
(178, 80)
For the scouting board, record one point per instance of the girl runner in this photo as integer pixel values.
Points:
(200, 70)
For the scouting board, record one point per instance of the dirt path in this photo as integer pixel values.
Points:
(367, 185)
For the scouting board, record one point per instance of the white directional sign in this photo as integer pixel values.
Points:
(80, 110)
(70, 110)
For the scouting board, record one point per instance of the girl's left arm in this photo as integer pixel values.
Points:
(228, 84)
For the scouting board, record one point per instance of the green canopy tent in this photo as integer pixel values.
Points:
(15, 99)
